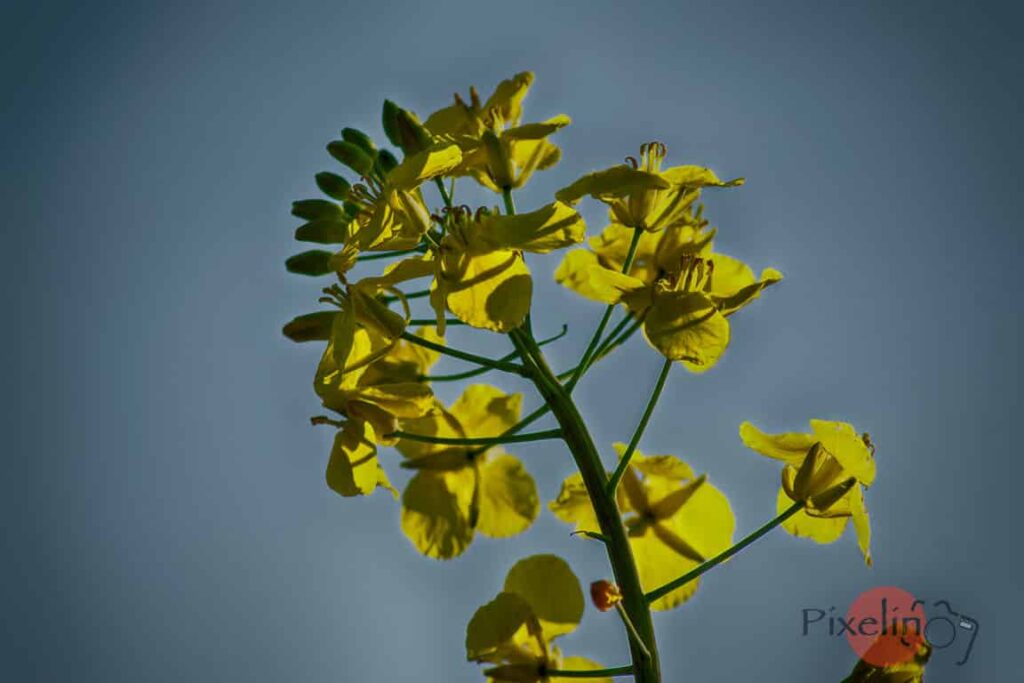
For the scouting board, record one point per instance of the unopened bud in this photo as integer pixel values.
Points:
(605, 595)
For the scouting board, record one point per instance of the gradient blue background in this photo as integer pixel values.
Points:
(162, 501)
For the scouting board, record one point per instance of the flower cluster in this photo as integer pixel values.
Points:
(448, 264)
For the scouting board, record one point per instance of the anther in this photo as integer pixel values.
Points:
(633, 162)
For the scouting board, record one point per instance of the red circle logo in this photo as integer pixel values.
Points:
(885, 626)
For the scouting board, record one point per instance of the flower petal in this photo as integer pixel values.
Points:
(848, 447)
(508, 497)
(429, 163)
(485, 410)
(581, 272)
(818, 529)
(551, 588)
(616, 181)
(861, 522)
(790, 448)
(493, 293)
(494, 625)
(436, 508)
(686, 326)
(554, 226)
(573, 505)
(353, 469)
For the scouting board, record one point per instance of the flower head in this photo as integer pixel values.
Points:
(540, 601)
(641, 195)
(479, 271)
(683, 290)
(827, 469)
(675, 519)
(458, 491)
(497, 151)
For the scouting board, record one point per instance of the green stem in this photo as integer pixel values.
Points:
(596, 338)
(604, 348)
(479, 371)
(513, 368)
(414, 295)
(479, 440)
(592, 673)
(632, 629)
(444, 193)
(510, 205)
(620, 469)
(389, 254)
(433, 321)
(519, 426)
(646, 665)
(725, 554)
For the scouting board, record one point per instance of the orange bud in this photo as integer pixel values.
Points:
(605, 595)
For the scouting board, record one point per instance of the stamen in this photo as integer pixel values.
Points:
(474, 97)
(632, 162)
(711, 272)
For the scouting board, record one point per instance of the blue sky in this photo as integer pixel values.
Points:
(165, 516)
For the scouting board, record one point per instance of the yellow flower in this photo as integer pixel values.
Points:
(456, 490)
(540, 601)
(675, 519)
(354, 385)
(684, 292)
(498, 152)
(479, 271)
(642, 195)
(816, 464)
(391, 213)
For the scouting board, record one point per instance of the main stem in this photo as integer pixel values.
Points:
(646, 667)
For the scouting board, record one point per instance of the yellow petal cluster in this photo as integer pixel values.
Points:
(675, 519)
(682, 289)
(457, 490)
(540, 601)
(498, 151)
(817, 465)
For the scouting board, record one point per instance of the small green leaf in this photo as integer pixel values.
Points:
(310, 327)
(313, 262)
(317, 209)
(352, 156)
(322, 232)
(359, 139)
(333, 185)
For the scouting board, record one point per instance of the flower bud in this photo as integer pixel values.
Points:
(333, 185)
(352, 156)
(605, 595)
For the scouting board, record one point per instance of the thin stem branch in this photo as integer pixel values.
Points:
(581, 367)
(479, 440)
(620, 469)
(479, 371)
(607, 346)
(592, 673)
(510, 204)
(444, 193)
(725, 554)
(433, 321)
(373, 256)
(519, 426)
(413, 295)
(513, 368)
(632, 629)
